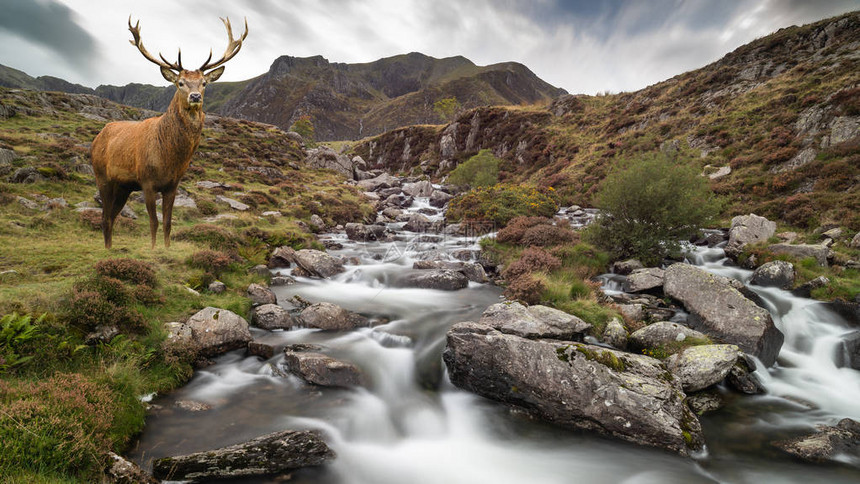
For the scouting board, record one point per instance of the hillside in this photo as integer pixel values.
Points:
(781, 115)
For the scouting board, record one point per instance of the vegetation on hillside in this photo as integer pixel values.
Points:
(481, 170)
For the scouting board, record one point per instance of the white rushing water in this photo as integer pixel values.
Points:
(410, 425)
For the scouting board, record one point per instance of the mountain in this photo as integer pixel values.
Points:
(775, 124)
(13, 78)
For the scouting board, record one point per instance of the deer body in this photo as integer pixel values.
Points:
(153, 155)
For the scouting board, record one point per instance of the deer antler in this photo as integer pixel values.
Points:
(135, 32)
(232, 47)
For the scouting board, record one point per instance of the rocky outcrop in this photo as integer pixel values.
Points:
(331, 317)
(641, 280)
(441, 279)
(534, 322)
(323, 370)
(271, 316)
(211, 331)
(579, 386)
(777, 273)
(722, 312)
(274, 453)
(699, 367)
(748, 229)
(313, 262)
(666, 336)
(820, 252)
(828, 444)
(328, 159)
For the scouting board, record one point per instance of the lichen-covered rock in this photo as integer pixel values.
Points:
(820, 252)
(442, 279)
(627, 396)
(271, 316)
(699, 367)
(748, 229)
(123, 471)
(259, 294)
(323, 370)
(644, 280)
(215, 331)
(331, 317)
(274, 453)
(776, 273)
(615, 334)
(312, 262)
(534, 321)
(828, 444)
(722, 312)
(665, 335)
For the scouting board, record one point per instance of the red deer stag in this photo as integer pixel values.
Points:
(152, 155)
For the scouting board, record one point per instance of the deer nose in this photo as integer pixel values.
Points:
(195, 97)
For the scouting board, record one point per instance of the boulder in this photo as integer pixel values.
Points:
(260, 294)
(365, 233)
(330, 317)
(271, 316)
(214, 331)
(442, 279)
(742, 377)
(748, 229)
(382, 181)
(314, 262)
(644, 280)
(615, 334)
(722, 312)
(834, 443)
(848, 351)
(418, 189)
(664, 335)
(704, 402)
(328, 159)
(323, 370)
(234, 204)
(317, 223)
(124, 471)
(217, 287)
(534, 322)
(627, 266)
(855, 242)
(805, 289)
(472, 270)
(27, 203)
(777, 273)
(699, 367)
(275, 453)
(574, 385)
(418, 223)
(439, 198)
(263, 350)
(819, 252)
(282, 281)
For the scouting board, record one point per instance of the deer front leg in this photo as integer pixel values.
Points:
(167, 213)
(149, 199)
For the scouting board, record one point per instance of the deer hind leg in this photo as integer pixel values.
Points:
(149, 199)
(107, 191)
(120, 196)
(167, 213)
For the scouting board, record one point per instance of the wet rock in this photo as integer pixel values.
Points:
(271, 316)
(699, 367)
(124, 471)
(664, 335)
(217, 287)
(331, 317)
(473, 271)
(234, 204)
(259, 294)
(534, 321)
(418, 223)
(704, 402)
(777, 273)
(282, 281)
(627, 266)
(215, 331)
(575, 385)
(382, 181)
(274, 453)
(441, 279)
(192, 406)
(828, 444)
(314, 262)
(615, 334)
(819, 252)
(748, 229)
(848, 351)
(439, 198)
(742, 377)
(418, 189)
(323, 370)
(365, 233)
(644, 280)
(263, 350)
(721, 311)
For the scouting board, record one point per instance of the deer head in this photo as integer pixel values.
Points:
(191, 84)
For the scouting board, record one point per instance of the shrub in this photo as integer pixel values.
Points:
(501, 203)
(525, 288)
(127, 270)
(15, 333)
(207, 207)
(547, 235)
(211, 261)
(532, 259)
(513, 232)
(446, 108)
(212, 236)
(649, 207)
(481, 170)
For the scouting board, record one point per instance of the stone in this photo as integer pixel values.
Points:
(234, 204)
(748, 229)
(263, 350)
(209, 185)
(848, 351)
(271, 316)
(124, 471)
(644, 280)
(323, 370)
(805, 289)
(331, 317)
(704, 402)
(615, 334)
(802, 158)
(634, 312)
(842, 128)
(664, 335)
(192, 406)
(834, 443)
(382, 181)
(742, 377)
(418, 189)
(439, 198)
(260, 294)
(215, 331)
(102, 334)
(472, 270)
(834, 233)
(855, 241)
(274, 453)
(441, 279)
(315, 262)
(27, 203)
(317, 223)
(260, 270)
(820, 252)
(282, 281)
(722, 312)
(328, 159)
(699, 367)
(534, 321)
(365, 233)
(627, 266)
(418, 223)
(27, 174)
(574, 385)
(217, 287)
(776, 273)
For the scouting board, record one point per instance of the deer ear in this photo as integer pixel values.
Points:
(213, 76)
(171, 76)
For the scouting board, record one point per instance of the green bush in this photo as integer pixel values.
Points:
(501, 203)
(650, 206)
(481, 170)
(15, 332)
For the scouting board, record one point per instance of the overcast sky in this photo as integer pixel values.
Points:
(584, 46)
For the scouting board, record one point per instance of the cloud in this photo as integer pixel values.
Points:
(53, 26)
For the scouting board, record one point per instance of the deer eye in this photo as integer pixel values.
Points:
(204, 83)
(181, 83)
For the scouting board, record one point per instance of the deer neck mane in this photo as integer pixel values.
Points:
(179, 129)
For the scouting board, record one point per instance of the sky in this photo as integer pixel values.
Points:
(583, 46)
